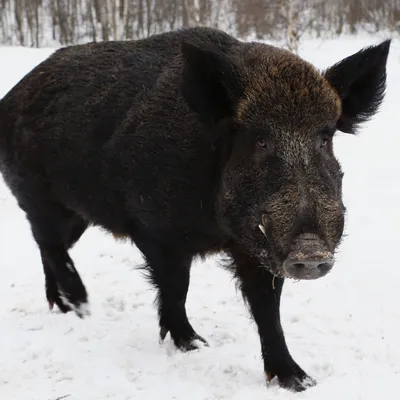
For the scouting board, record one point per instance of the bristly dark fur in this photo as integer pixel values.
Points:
(186, 143)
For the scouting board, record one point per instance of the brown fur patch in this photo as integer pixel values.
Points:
(269, 376)
(120, 237)
(281, 84)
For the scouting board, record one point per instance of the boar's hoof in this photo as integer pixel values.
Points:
(81, 308)
(296, 382)
(62, 307)
(71, 296)
(189, 345)
(182, 343)
(53, 297)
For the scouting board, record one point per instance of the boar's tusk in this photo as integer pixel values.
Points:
(262, 229)
(264, 220)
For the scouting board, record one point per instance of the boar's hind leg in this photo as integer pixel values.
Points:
(169, 271)
(78, 227)
(55, 230)
(262, 293)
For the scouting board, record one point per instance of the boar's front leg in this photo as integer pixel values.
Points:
(169, 271)
(263, 293)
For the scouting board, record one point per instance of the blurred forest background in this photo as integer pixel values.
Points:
(40, 23)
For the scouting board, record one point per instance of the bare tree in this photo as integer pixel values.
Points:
(43, 22)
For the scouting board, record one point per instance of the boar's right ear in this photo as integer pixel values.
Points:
(211, 84)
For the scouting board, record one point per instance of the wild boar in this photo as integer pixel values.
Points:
(189, 143)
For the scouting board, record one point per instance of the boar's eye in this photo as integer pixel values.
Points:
(324, 138)
(265, 146)
(324, 142)
(261, 142)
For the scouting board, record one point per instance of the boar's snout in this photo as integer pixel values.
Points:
(309, 259)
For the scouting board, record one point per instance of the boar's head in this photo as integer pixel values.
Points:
(275, 116)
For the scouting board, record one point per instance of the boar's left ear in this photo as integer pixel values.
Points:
(210, 83)
(360, 81)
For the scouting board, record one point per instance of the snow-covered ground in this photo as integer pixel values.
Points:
(343, 329)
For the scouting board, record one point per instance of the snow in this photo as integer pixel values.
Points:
(343, 329)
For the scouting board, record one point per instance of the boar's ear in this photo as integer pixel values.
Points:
(360, 81)
(210, 84)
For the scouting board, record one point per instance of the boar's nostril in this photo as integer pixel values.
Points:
(325, 267)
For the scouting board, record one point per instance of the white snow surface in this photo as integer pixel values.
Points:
(343, 329)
